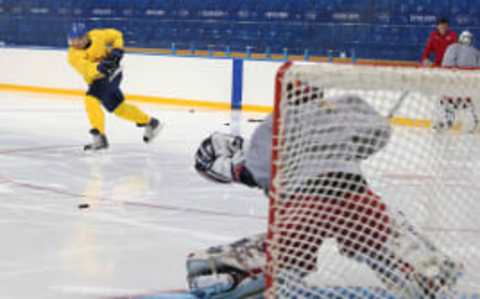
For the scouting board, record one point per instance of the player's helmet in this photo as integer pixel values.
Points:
(466, 38)
(78, 30)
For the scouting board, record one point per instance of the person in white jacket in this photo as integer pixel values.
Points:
(462, 54)
(452, 109)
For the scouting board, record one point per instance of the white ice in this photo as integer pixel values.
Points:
(149, 209)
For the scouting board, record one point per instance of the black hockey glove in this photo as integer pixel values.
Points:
(116, 55)
(107, 67)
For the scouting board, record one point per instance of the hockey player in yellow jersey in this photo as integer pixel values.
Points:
(96, 55)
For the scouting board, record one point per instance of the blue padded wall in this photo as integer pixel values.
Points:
(378, 29)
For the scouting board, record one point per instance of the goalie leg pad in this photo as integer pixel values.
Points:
(416, 265)
(241, 259)
(245, 255)
(249, 288)
(230, 271)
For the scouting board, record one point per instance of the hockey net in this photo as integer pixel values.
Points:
(367, 200)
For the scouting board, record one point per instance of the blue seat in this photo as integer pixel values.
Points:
(139, 32)
(323, 35)
(164, 33)
(211, 10)
(8, 30)
(390, 35)
(374, 28)
(383, 6)
(245, 10)
(157, 9)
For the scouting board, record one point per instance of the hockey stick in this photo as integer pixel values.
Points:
(398, 104)
(115, 74)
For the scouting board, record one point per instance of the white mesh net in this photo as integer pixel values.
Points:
(375, 183)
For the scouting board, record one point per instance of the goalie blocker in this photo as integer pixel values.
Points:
(335, 192)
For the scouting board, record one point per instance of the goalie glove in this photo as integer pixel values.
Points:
(218, 156)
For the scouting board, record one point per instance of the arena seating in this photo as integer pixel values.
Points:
(379, 29)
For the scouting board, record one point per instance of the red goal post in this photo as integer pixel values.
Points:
(381, 86)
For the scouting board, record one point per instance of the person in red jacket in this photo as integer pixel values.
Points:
(438, 43)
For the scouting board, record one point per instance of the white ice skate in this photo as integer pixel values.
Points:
(152, 129)
(100, 141)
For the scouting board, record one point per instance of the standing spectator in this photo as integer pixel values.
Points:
(451, 109)
(463, 53)
(438, 43)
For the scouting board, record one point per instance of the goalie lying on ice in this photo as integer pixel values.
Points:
(332, 193)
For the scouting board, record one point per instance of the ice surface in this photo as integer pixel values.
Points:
(149, 209)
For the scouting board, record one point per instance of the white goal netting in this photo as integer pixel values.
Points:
(375, 183)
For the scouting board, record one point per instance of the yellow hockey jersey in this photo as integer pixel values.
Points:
(85, 61)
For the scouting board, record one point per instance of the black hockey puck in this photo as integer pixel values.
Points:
(255, 120)
(191, 110)
(83, 206)
(226, 124)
